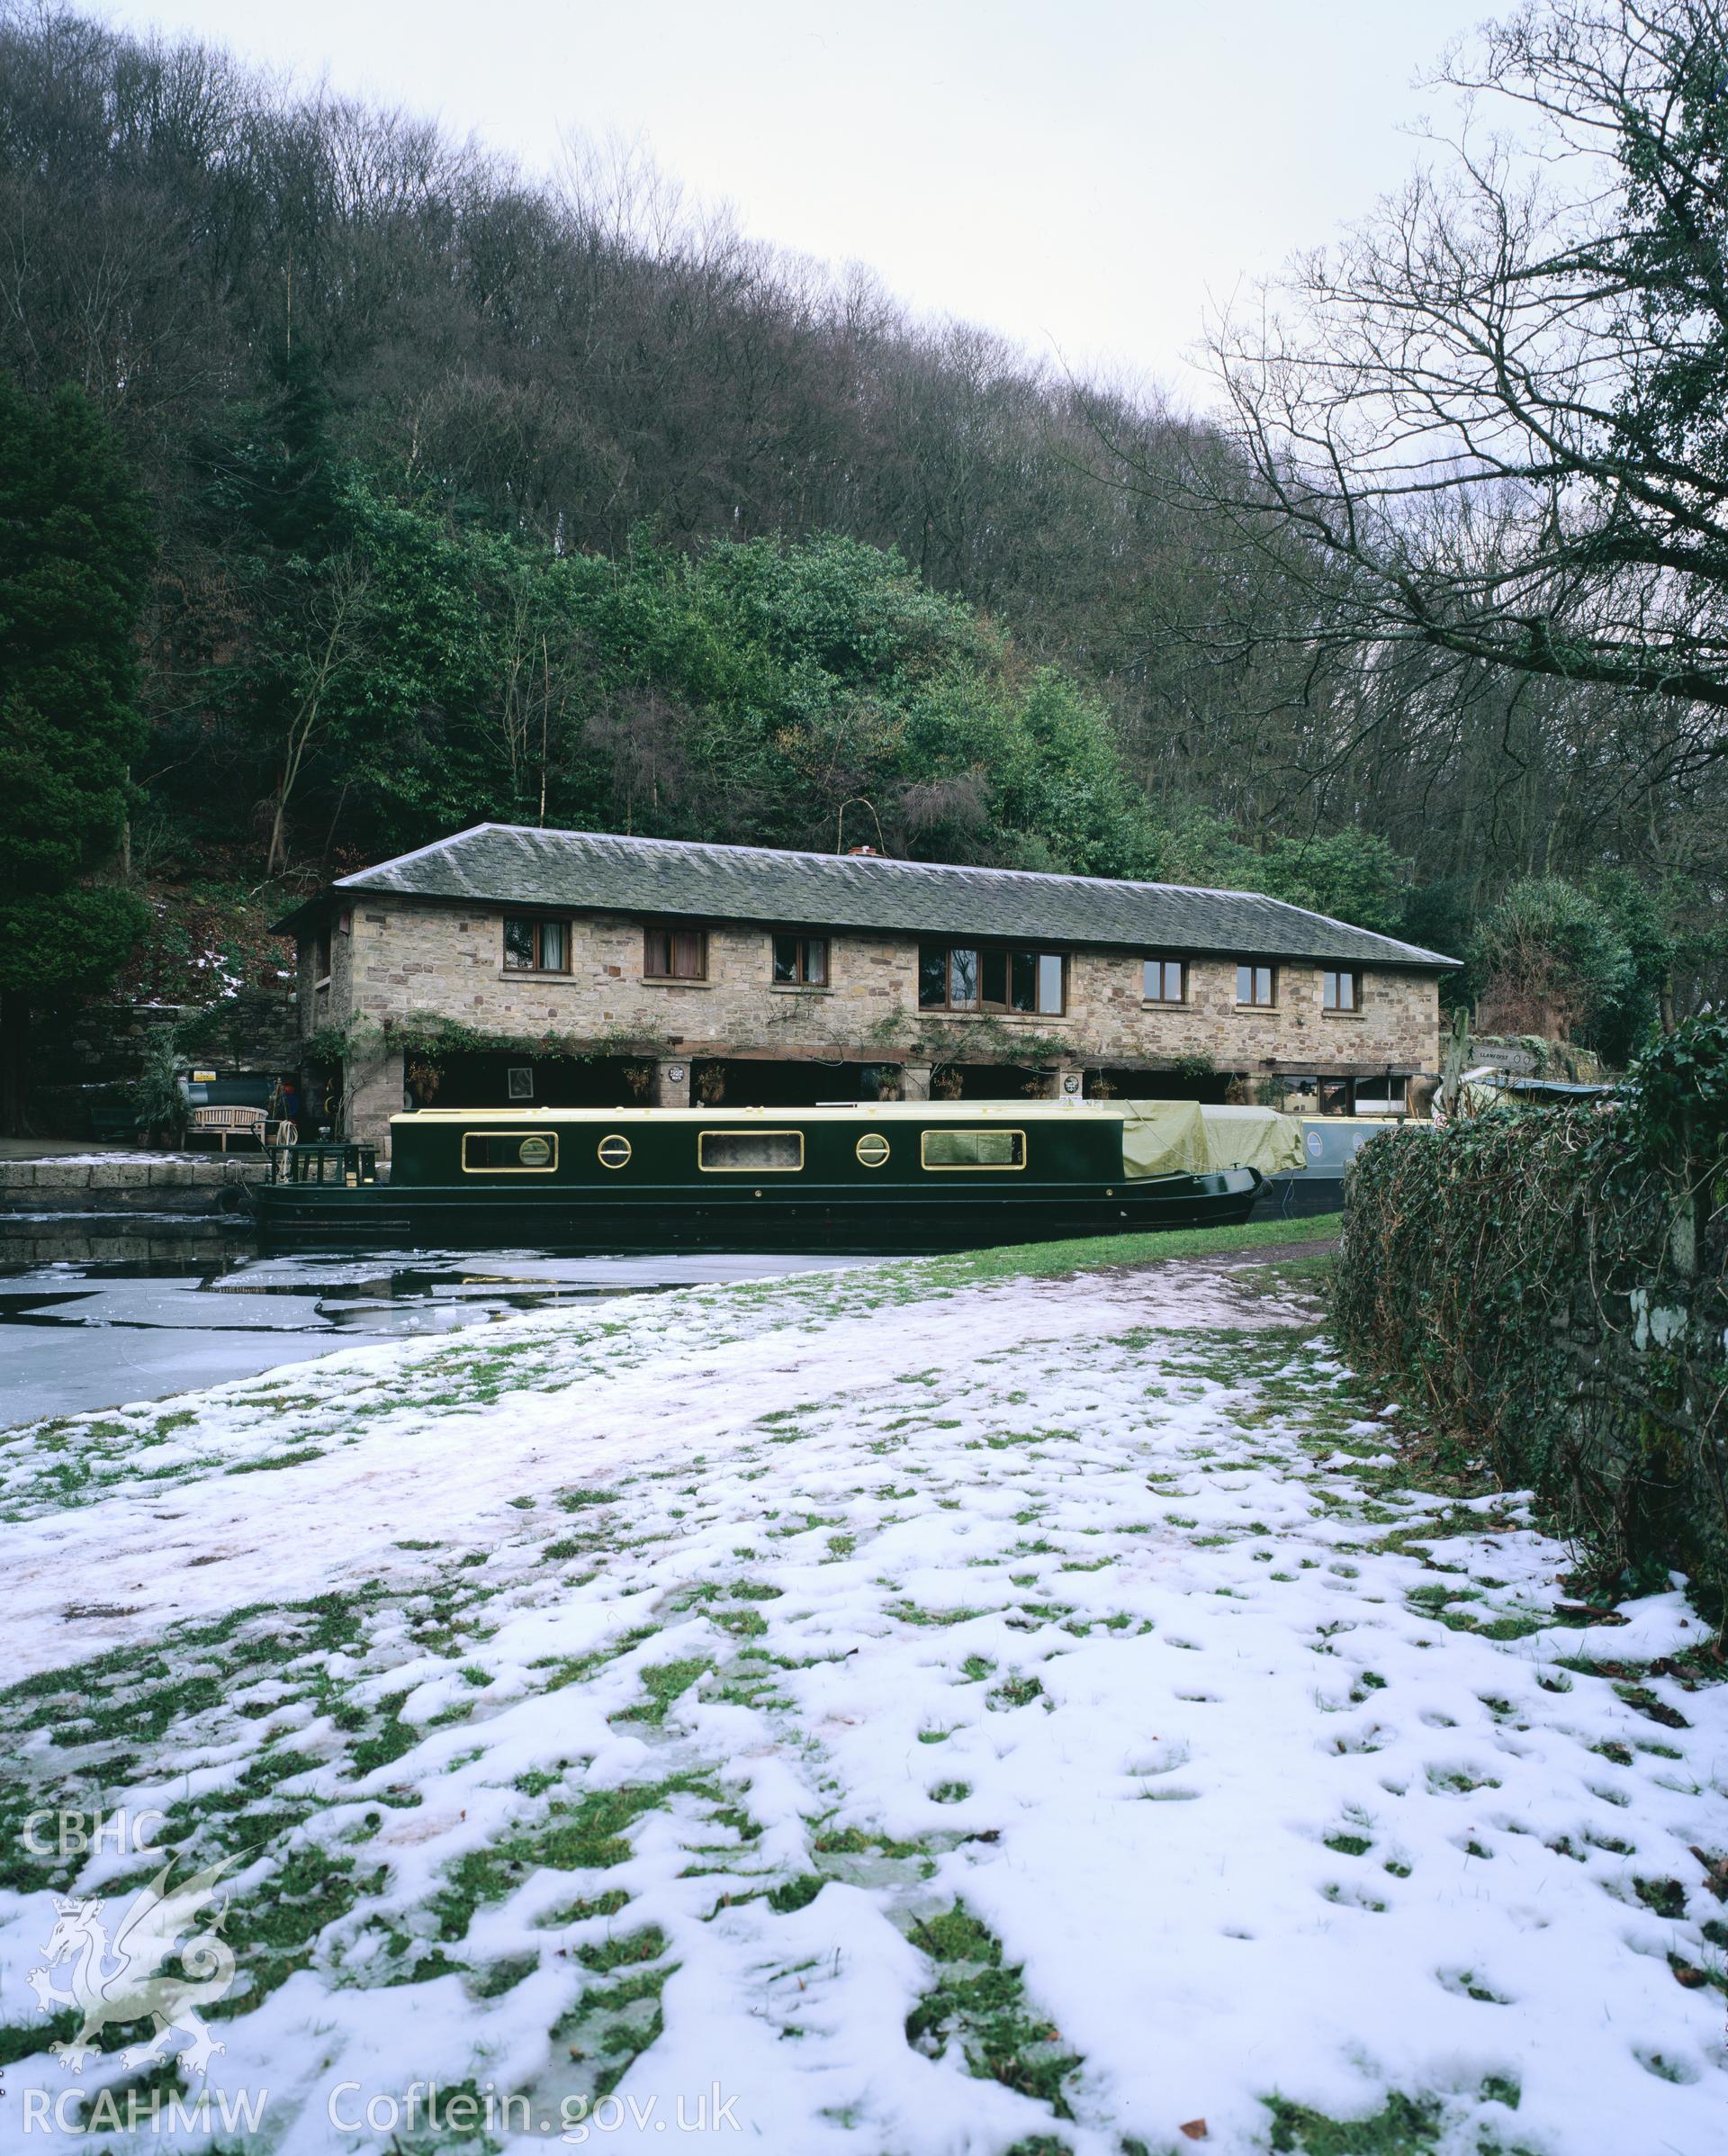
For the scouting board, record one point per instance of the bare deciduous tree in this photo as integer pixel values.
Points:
(328, 635)
(1491, 418)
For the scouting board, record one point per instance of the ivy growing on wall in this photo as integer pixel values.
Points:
(941, 1042)
(427, 1038)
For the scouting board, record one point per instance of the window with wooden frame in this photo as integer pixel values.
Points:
(980, 1149)
(1341, 994)
(534, 945)
(800, 961)
(992, 976)
(1257, 988)
(1165, 980)
(674, 954)
(321, 948)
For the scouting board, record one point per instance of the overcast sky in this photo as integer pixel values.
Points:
(1085, 175)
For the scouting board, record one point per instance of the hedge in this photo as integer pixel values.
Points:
(1550, 1282)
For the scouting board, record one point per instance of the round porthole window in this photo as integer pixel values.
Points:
(872, 1149)
(614, 1151)
(535, 1152)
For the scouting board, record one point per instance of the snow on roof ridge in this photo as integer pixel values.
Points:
(418, 853)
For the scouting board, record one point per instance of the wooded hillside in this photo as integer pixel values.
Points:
(478, 494)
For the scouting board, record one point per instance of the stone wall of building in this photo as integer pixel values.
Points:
(392, 958)
(401, 956)
(1398, 1026)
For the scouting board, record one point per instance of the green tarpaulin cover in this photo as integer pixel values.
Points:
(1168, 1137)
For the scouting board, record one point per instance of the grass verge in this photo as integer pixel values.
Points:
(1084, 1254)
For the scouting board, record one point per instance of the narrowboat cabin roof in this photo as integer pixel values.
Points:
(891, 1111)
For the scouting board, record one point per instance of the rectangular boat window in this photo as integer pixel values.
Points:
(801, 961)
(1165, 981)
(1257, 988)
(750, 1152)
(1341, 992)
(973, 1149)
(509, 1152)
(532, 946)
(675, 954)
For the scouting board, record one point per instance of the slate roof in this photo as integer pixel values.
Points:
(510, 864)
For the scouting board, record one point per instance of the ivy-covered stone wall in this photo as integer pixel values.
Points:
(1550, 1282)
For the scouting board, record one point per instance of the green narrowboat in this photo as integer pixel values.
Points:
(869, 1177)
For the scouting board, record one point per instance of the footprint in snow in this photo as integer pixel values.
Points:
(1351, 1898)
(1376, 1737)
(1161, 1758)
(1467, 1983)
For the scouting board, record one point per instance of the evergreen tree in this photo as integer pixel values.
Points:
(75, 556)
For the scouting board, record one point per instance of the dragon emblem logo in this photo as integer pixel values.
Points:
(122, 1978)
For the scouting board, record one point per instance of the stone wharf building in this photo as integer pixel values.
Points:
(569, 968)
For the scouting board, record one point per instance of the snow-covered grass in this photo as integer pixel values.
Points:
(952, 1706)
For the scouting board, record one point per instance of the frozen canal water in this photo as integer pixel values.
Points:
(96, 1331)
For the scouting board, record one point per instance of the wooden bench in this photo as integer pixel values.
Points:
(224, 1124)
